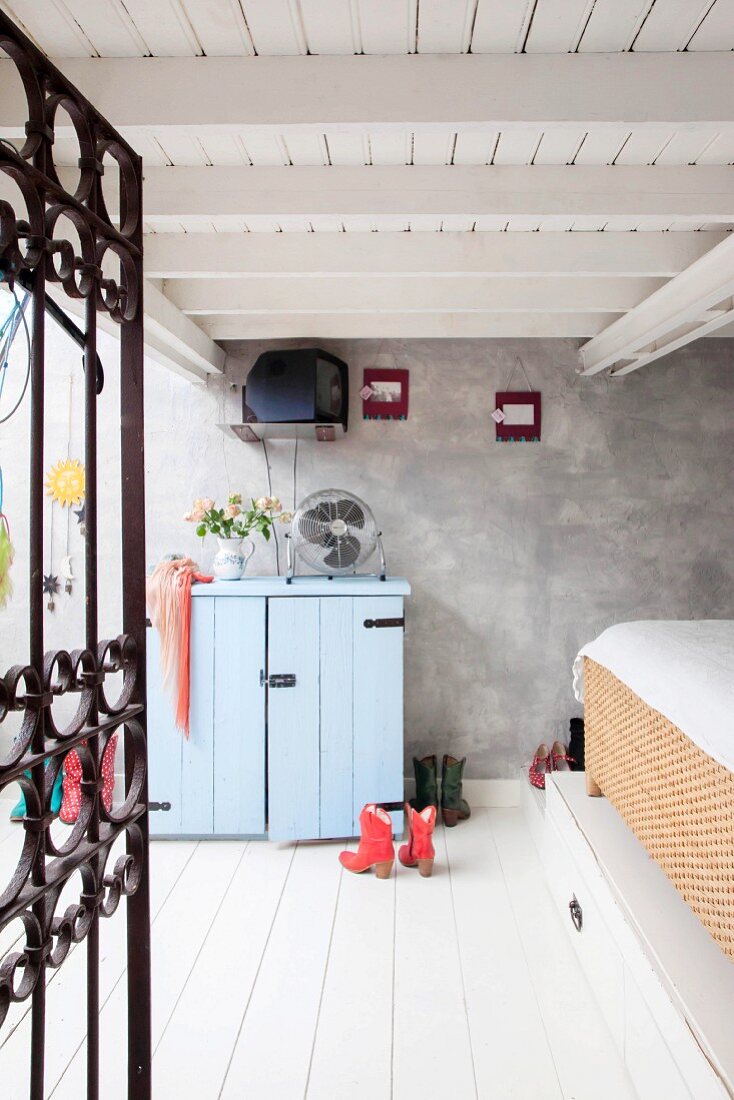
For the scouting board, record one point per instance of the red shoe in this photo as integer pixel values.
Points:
(419, 851)
(541, 765)
(375, 844)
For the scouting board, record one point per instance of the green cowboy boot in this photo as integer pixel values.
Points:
(453, 807)
(426, 783)
(18, 811)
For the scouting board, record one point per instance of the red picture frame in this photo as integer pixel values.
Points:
(389, 400)
(523, 428)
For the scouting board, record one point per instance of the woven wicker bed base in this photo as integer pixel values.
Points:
(676, 799)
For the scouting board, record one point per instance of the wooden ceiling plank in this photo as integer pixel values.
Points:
(52, 28)
(433, 147)
(643, 146)
(613, 25)
(474, 147)
(264, 149)
(220, 27)
(274, 27)
(329, 27)
(685, 147)
(390, 148)
(388, 26)
(305, 148)
(558, 25)
(516, 147)
(164, 27)
(716, 31)
(501, 26)
(109, 27)
(720, 151)
(444, 26)
(671, 25)
(347, 149)
(558, 147)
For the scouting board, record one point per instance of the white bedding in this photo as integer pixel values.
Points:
(684, 670)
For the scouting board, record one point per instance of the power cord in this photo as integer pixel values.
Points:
(270, 493)
(14, 325)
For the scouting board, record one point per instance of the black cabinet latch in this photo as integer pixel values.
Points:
(165, 806)
(282, 680)
(577, 914)
(369, 623)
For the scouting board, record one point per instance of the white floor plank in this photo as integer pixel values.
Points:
(588, 1070)
(512, 1055)
(177, 936)
(352, 1053)
(273, 1050)
(66, 987)
(202, 1029)
(432, 1053)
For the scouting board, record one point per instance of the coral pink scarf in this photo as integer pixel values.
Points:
(168, 594)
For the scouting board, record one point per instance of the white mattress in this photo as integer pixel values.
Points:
(684, 670)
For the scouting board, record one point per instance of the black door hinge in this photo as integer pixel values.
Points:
(165, 806)
(369, 623)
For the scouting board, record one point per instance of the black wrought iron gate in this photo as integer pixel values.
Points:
(32, 249)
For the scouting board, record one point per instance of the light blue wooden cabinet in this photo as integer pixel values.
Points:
(296, 710)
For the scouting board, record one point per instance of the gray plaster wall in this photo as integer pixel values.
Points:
(517, 553)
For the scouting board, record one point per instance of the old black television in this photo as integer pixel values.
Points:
(307, 386)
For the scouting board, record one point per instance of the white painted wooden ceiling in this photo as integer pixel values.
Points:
(312, 287)
(184, 28)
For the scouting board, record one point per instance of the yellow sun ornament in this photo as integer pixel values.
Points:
(65, 482)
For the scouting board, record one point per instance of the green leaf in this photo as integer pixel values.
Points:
(201, 530)
(266, 534)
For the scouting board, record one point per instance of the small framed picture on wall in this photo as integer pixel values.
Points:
(385, 394)
(517, 416)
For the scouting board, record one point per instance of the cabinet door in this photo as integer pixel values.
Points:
(180, 771)
(239, 716)
(164, 746)
(197, 753)
(293, 719)
(378, 705)
(336, 746)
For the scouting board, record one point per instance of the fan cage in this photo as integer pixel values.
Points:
(334, 533)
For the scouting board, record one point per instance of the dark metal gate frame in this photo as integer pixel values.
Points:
(32, 895)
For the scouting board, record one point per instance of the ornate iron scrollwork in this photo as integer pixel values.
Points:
(68, 238)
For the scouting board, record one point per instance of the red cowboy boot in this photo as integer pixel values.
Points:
(72, 800)
(108, 772)
(419, 851)
(375, 844)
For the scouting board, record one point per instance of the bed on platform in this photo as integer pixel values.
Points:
(659, 721)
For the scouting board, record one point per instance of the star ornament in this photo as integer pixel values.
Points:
(50, 584)
(65, 482)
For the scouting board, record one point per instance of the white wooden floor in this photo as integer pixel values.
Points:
(276, 975)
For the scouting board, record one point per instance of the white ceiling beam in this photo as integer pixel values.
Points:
(198, 194)
(172, 329)
(155, 349)
(400, 255)
(535, 294)
(229, 94)
(711, 322)
(402, 326)
(663, 319)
